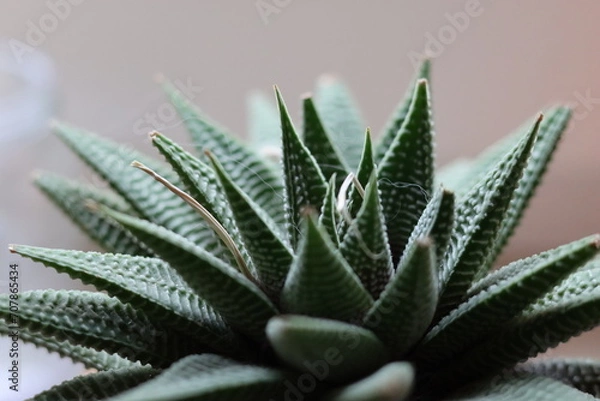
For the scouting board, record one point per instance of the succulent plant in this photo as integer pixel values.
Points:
(324, 268)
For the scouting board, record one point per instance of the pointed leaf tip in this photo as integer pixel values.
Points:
(320, 282)
(303, 179)
(365, 244)
(406, 170)
(403, 312)
(318, 140)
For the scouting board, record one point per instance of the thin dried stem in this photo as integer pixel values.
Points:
(206, 215)
(358, 186)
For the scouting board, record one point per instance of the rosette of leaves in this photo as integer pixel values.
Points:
(312, 264)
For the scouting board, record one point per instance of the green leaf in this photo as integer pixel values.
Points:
(568, 310)
(404, 310)
(513, 269)
(340, 117)
(366, 167)
(304, 182)
(520, 387)
(396, 120)
(71, 197)
(329, 349)
(209, 378)
(365, 246)
(549, 133)
(148, 284)
(483, 314)
(583, 374)
(233, 295)
(247, 169)
(148, 197)
(328, 215)
(98, 321)
(264, 130)
(393, 382)
(436, 222)
(270, 253)
(321, 146)
(97, 386)
(320, 282)
(89, 357)
(479, 216)
(405, 173)
(442, 228)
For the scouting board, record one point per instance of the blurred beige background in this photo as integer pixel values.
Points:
(492, 70)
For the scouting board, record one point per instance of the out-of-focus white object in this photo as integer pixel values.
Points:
(27, 98)
(27, 95)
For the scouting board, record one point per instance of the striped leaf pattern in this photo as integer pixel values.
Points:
(148, 284)
(89, 357)
(98, 321)
(146, 196)
(365, 245)
(221, 285)
(305, 183)
(209, 377)
(320, 282)
(583, 374)
(270, 253)
(397, 118)
(478, 219)
(486, 312)
(73, 198)
(98, 386)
